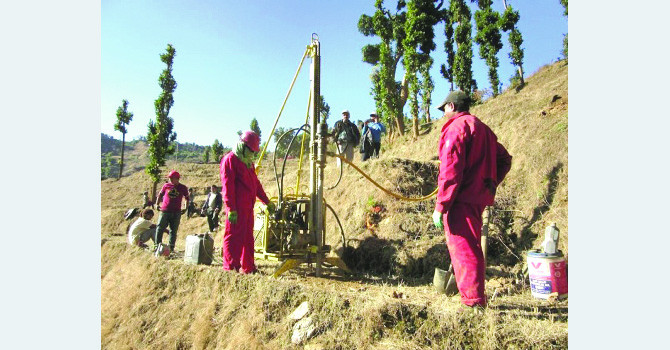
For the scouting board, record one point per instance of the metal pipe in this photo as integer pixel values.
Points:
(316, 160)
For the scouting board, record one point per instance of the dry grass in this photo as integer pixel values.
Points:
(156, 303)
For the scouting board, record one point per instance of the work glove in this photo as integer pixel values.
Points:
(437, 220)
(232, 217)
(271, 207)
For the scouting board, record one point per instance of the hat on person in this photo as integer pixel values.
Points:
(173, 173)
(251, 139)
(457, 97)
(374, 114)
(345, 111)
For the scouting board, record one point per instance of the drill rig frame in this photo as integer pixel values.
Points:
(295, 233)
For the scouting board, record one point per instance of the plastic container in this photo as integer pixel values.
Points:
(548, 274)
(199, 249)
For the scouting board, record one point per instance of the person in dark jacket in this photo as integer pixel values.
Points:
(346, 136)
(473, 163)
(212, 208)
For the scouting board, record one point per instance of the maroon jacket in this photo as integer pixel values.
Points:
(473, 163)
(172, 196)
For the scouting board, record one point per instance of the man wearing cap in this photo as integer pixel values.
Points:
(346, 136)
(375, 128)
(240, 188)
(472, 164)
(170, 199)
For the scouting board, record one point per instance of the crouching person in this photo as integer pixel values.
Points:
(142, 229)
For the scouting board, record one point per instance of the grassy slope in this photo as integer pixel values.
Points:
(149, 303)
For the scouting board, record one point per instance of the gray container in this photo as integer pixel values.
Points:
(199, 249)
(444, 281)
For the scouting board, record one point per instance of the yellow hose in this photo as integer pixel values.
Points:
(409, 199)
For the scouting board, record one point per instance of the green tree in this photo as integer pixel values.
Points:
(447, 70)
(217, 150)
(205, 156)
(160, 136)
(107, 164)
(463, 39)
(565, 36)
(390, 96)
(508, 22)
(325, 109)
(418, 43)
(123, 117)
(254, 127)
(488, 37)
(427, 87)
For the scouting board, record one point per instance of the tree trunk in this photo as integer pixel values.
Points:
(404, 93)
(153, 193)
(416, 127)
(521, 75)
(123, 146)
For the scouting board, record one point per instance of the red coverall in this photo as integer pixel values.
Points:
(240, 187)
(473, 163)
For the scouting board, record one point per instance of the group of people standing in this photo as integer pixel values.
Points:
(472, 164)
(348, 137)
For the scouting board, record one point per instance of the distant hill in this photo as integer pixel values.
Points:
(136, 156)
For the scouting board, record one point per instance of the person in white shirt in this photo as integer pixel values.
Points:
(142, 229)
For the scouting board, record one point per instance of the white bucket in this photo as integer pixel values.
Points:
(548, 275)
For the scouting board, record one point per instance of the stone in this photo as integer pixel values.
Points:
(303, 330)
(300, 312)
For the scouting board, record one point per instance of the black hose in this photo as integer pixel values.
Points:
(283, 169)
(344, 241)
(274, 162)
(341, 167)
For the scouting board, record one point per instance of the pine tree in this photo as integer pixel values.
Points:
(254, 127)
(205, 156)
(160, 136)
(123, 117)
(217, 150)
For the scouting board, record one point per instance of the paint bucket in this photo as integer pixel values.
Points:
(548, 274)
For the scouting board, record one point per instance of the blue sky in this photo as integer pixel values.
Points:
(235, 60)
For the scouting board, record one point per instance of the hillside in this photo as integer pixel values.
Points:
(389, 303)
(136, 155)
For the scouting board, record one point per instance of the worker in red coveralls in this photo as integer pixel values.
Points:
(240, 187)
(473, 163)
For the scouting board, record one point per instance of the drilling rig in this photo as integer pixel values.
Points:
(295, 233)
